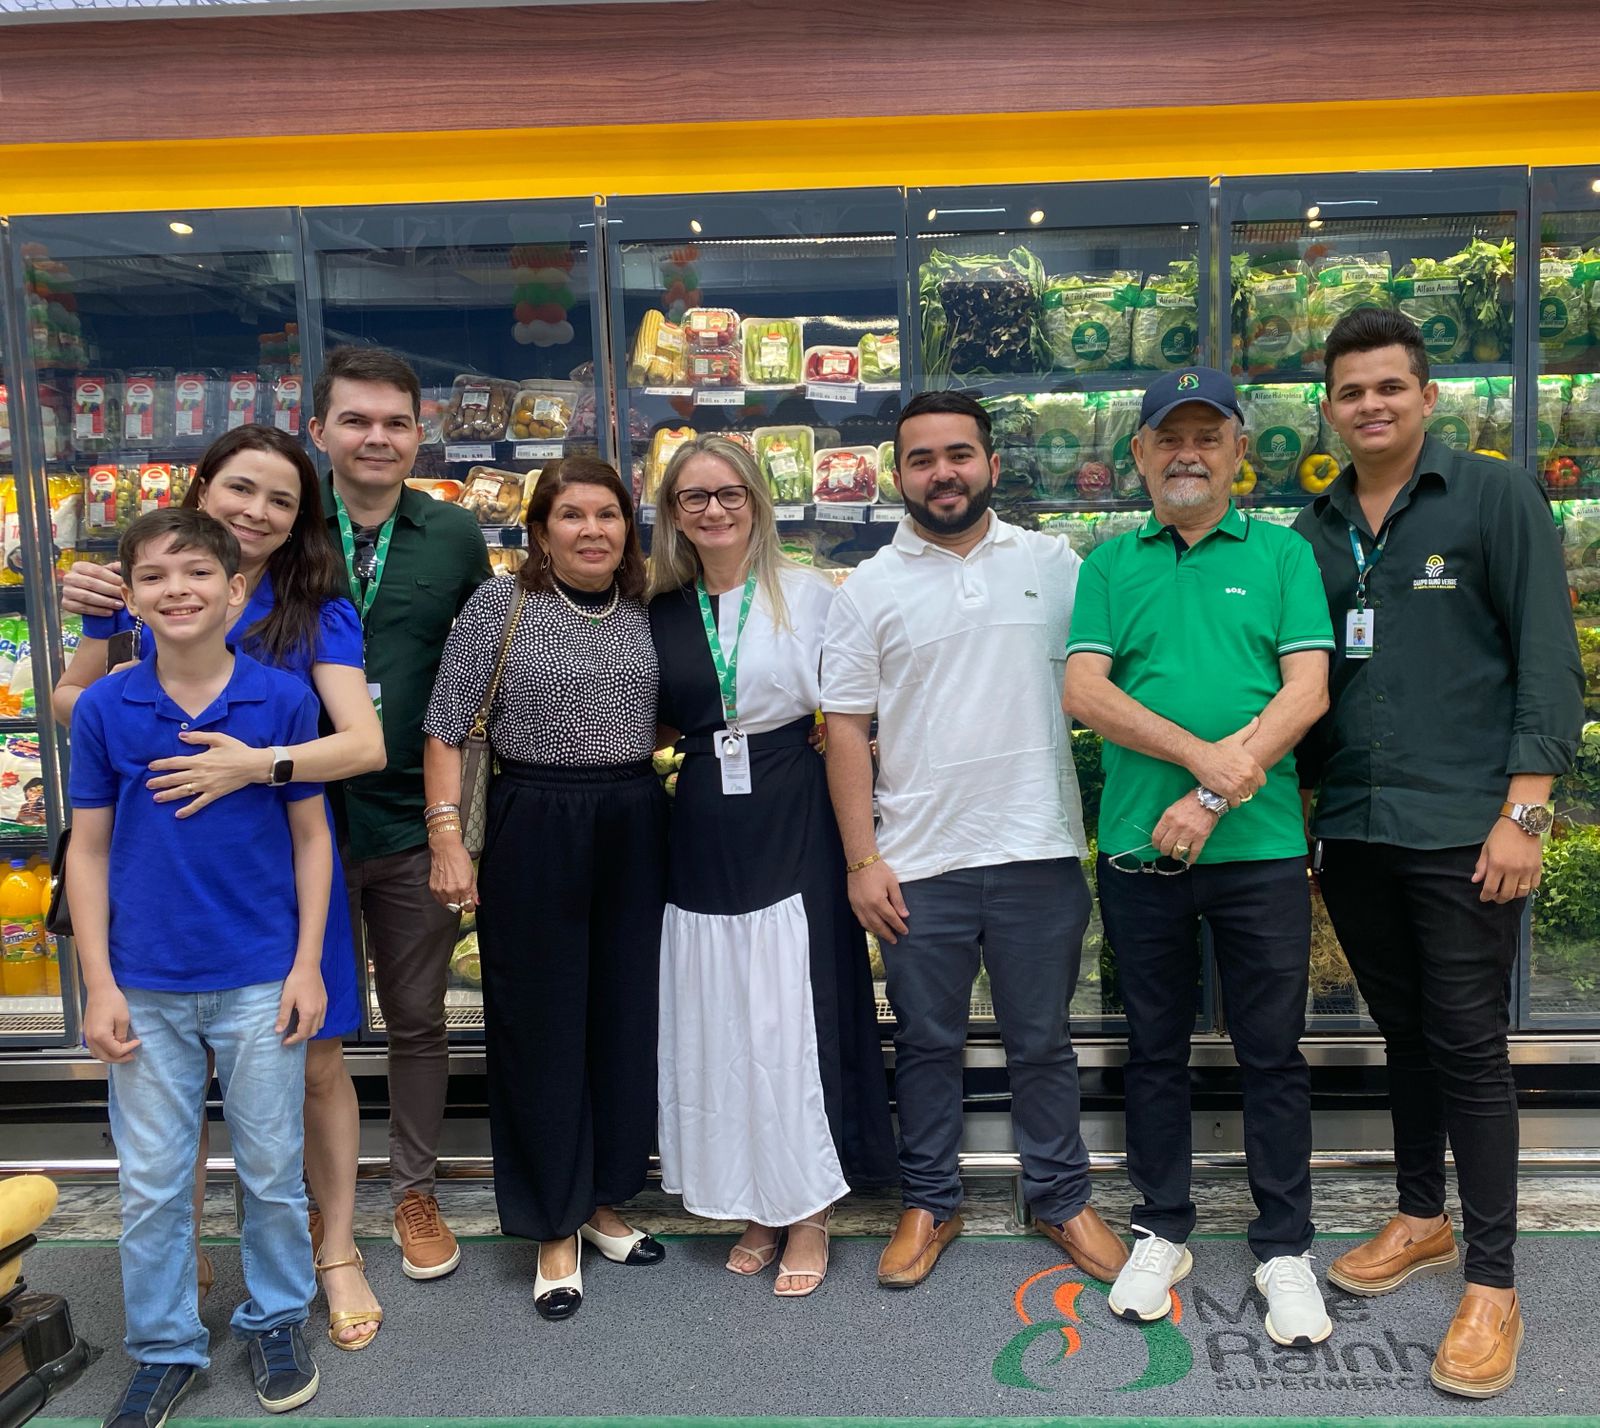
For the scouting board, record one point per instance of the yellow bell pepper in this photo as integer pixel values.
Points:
(1317, 472)
(1245, 482)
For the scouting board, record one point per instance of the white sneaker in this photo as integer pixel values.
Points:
(1143, 1291)
(1295, 1316)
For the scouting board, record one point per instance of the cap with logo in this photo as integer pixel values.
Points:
(1172, 390)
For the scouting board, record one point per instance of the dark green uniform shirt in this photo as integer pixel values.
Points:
(1197, 637)
(1474, 674)
(437, 558)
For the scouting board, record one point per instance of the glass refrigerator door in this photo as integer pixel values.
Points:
(147, 335)
(1561, 977)
(497, 306)
(777, 320)
(1055, 304)
(1300, 252)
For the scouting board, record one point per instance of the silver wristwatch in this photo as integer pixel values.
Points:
(1211, 802)
(1533, 818)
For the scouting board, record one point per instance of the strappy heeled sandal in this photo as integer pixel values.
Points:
(815, 1276)
(760, 1257)
(343, 1318)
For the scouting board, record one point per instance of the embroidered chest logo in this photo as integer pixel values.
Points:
(1031, 594)
(1235, 590)
(1433, 576)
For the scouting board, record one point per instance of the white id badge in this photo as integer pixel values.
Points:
(733, 753)
(1359, 626)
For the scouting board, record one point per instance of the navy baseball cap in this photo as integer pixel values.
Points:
(1193, 384)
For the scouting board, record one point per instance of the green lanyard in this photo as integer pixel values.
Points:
(727, 665)
(363, 600)
(1364, 563)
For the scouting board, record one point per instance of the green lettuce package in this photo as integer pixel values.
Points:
(1011, 424)
(1580, 437)
(1085, 320)
(1591, 263)
(1116, 424)
(1166, 318)
(1487, 270)
(1554, 395)
(1428, 291)
(888, 492)
(1458, 414)
(1283, 423)
(978, 312)
(1497, 414)
(1276, 333)
(1344, 285)
(1330, 441)
(1563, 305)
(1063, 428)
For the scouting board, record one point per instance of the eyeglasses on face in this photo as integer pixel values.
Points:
(730, 498)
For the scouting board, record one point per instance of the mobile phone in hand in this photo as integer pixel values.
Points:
(119, 649)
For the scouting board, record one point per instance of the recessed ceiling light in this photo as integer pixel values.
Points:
(1037, 216)
(1314, 211)
(694, 226)
(183, 230)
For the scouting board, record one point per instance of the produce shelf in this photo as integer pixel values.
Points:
(1045, 383)
(1455, 371)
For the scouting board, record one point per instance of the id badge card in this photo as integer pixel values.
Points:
(1359, 627)
(375, 693)
(733, 754)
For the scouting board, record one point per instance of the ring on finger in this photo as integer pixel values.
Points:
(453, 906)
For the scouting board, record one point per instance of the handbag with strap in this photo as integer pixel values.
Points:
(58, 920)
(477, 759)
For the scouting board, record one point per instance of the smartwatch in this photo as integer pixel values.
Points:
(1533, 818)
(282, 768)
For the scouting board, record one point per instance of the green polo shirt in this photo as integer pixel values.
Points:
(437, 558)
(1196, 638)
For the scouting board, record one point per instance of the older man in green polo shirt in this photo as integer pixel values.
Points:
(1199, 651)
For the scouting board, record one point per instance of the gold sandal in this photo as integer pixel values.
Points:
(205, 1274)
(342, 1318)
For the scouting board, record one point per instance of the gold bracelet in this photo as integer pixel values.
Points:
(444, 828)
(866, 862)
(435, 808)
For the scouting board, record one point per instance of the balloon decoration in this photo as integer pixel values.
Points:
(543, 295)
(681, 282)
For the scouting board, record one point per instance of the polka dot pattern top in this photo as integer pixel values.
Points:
(575, 691)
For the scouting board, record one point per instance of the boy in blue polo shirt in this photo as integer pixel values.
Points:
(195, 934)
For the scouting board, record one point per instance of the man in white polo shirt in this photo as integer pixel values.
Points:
(954, 634)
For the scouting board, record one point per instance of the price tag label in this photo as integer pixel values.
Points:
(854, 515)
(719, 397)
(880, 386)
(667, 391)
(537, 451)
(843, 392)
(647, 515)
(475, 451)
(886, 513)
(788, 513)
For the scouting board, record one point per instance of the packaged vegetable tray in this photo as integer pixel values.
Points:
(147, 412)
(711, 329)
(493, 496)
(845, 475)
(880, 357)
(663, 446)
(888, 492)
(659, 354)
(784, 454)
(1085, 320)
(542, 410)
(96, 410)
(840, 365)
(479, 408)
(774, 349)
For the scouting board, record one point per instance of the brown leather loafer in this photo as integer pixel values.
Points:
(1090, 1242)
(914, 1249)
(1391, 1257)
(1478, 1357)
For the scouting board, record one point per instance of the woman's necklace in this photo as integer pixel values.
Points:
(593, 616)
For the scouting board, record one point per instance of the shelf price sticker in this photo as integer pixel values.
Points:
(719, 397)
(667, 391)
(842, 392)
(647, 515)
(854, 515)
(537, 451)
(883, 514)
(471, 451)
(788, 513)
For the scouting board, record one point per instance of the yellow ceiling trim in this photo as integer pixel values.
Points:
(426, 167)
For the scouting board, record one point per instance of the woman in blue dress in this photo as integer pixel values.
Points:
(260, 483)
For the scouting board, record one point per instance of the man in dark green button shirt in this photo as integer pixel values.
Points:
(411, 563)
(1199, 651)
(1457, 696)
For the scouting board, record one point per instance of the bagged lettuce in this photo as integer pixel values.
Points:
(1276, 331)
(1063, 439)
(1283, 423)
(1563, 305)
(1591, 262)
(1496, 414)
(1487, 270)
(1344, 285)
(978, 312)
(1429, 293)
(1330, 441)
(1116, 424)
(1166, 318)
(1011, 423)
(1554, 394)
(1084, 320)
(1580, 438)
(1458, 414)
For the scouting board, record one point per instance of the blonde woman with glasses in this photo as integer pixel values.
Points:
(773, 1102)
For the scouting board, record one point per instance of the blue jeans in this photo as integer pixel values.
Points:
(154, 1100)
(1026, 922)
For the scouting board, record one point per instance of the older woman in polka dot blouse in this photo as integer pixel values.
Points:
(572, 878)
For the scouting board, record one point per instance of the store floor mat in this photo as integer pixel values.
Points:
(1002, 1329)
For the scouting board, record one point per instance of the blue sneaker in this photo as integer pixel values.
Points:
(150, 1396)
(280, 1364)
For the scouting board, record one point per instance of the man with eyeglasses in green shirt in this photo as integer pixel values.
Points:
(1199, 652)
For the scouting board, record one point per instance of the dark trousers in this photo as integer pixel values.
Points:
(572, 882)
(409, 937)
(1025, 921)
(1260, 919)
(1434, 965)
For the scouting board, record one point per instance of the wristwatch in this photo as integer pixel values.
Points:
(1533, 818)
(1211, 802)
(282, 768)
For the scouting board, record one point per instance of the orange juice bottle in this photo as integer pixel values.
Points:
(52, 949)
(21, 934)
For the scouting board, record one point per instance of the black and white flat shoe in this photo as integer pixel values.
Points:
(558, 1299)
(634, 1248)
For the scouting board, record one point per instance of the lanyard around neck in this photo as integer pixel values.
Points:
(363, 599)
(1364, 562)
(727, 666)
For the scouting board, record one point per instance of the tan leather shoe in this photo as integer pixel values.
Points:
(428, 1250)
(1391, 1257)
(914, 1248)
(1090, 1242)
(1478, 1357)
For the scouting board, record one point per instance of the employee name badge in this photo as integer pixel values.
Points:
(733, 754)
(1359, 626)
(375, 693)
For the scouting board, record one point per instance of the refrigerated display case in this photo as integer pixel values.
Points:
(498, 307)
(1561, 974)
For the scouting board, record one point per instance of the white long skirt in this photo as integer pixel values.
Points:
(744, 1131)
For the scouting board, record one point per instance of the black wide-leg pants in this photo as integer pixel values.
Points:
(572, 883)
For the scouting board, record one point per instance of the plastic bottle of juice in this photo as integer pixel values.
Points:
(52, 949)
(21, 934)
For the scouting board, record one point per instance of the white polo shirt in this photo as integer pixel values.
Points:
(962, 658)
